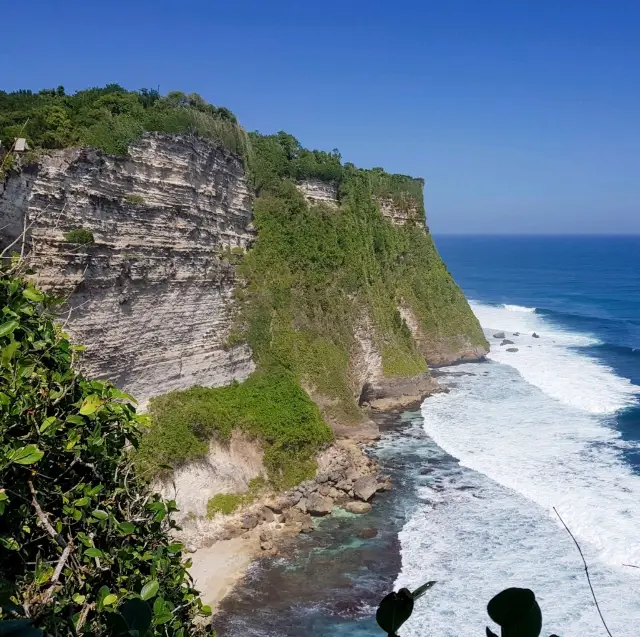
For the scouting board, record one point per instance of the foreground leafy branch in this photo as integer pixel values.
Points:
(84, 546)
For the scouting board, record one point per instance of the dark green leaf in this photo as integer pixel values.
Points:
(19, 628)
(136, 615)
(127, 527)
(394, 610)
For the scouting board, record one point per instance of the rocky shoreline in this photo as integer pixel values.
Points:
(347, 479)
(330, 581)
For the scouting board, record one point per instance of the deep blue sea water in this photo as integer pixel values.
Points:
(555, 423)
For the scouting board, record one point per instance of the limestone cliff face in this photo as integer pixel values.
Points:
(152, 297)
(316, 191)
(398, 210)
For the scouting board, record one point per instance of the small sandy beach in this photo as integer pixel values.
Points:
(218, 568)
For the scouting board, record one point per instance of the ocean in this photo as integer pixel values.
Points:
(478, 470)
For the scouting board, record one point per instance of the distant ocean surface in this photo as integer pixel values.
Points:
(478, 472)
(556, 423)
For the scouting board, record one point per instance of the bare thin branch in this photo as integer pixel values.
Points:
(43, 518)
(56, 574)
(83, 616)
(586, 570)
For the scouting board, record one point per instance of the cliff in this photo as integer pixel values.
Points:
(184, 263)
(152, 296)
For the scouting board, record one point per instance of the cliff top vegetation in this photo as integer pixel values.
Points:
(111, 118)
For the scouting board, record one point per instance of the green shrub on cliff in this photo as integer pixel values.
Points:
(273, 408)
(84, 547)
(81, 236)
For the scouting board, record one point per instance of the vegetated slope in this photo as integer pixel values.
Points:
(111, 118)
(316, 272)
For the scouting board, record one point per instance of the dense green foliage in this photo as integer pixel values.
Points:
(83, 544)
(81, 236)
(315, 273)
(111, 118)
(273, 408)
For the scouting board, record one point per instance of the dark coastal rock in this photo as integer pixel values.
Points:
(516, 333)
(267, 514)
(499, 335)
(535, 335)
(512, 349)
(319, 504)
(306, 524)
(250, 521)
(275, 505)
(385, 484)
(506, 342)
(358, 507)
(389, 394)
(365, 487)
(367, 534)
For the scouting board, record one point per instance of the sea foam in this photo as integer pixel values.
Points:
(557, 362)
(536, 426)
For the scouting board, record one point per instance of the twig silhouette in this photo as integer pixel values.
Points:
(586, 570)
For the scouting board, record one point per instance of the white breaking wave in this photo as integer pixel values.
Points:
(554, 362)
(539, 423)
(518, 308)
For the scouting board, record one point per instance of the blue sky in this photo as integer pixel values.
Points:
(523, 117)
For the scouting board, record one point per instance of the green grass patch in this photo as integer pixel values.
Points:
(272, 408)
(224, 503)
(80, 236)
(228, 502)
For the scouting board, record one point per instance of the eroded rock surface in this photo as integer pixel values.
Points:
(152, 297)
